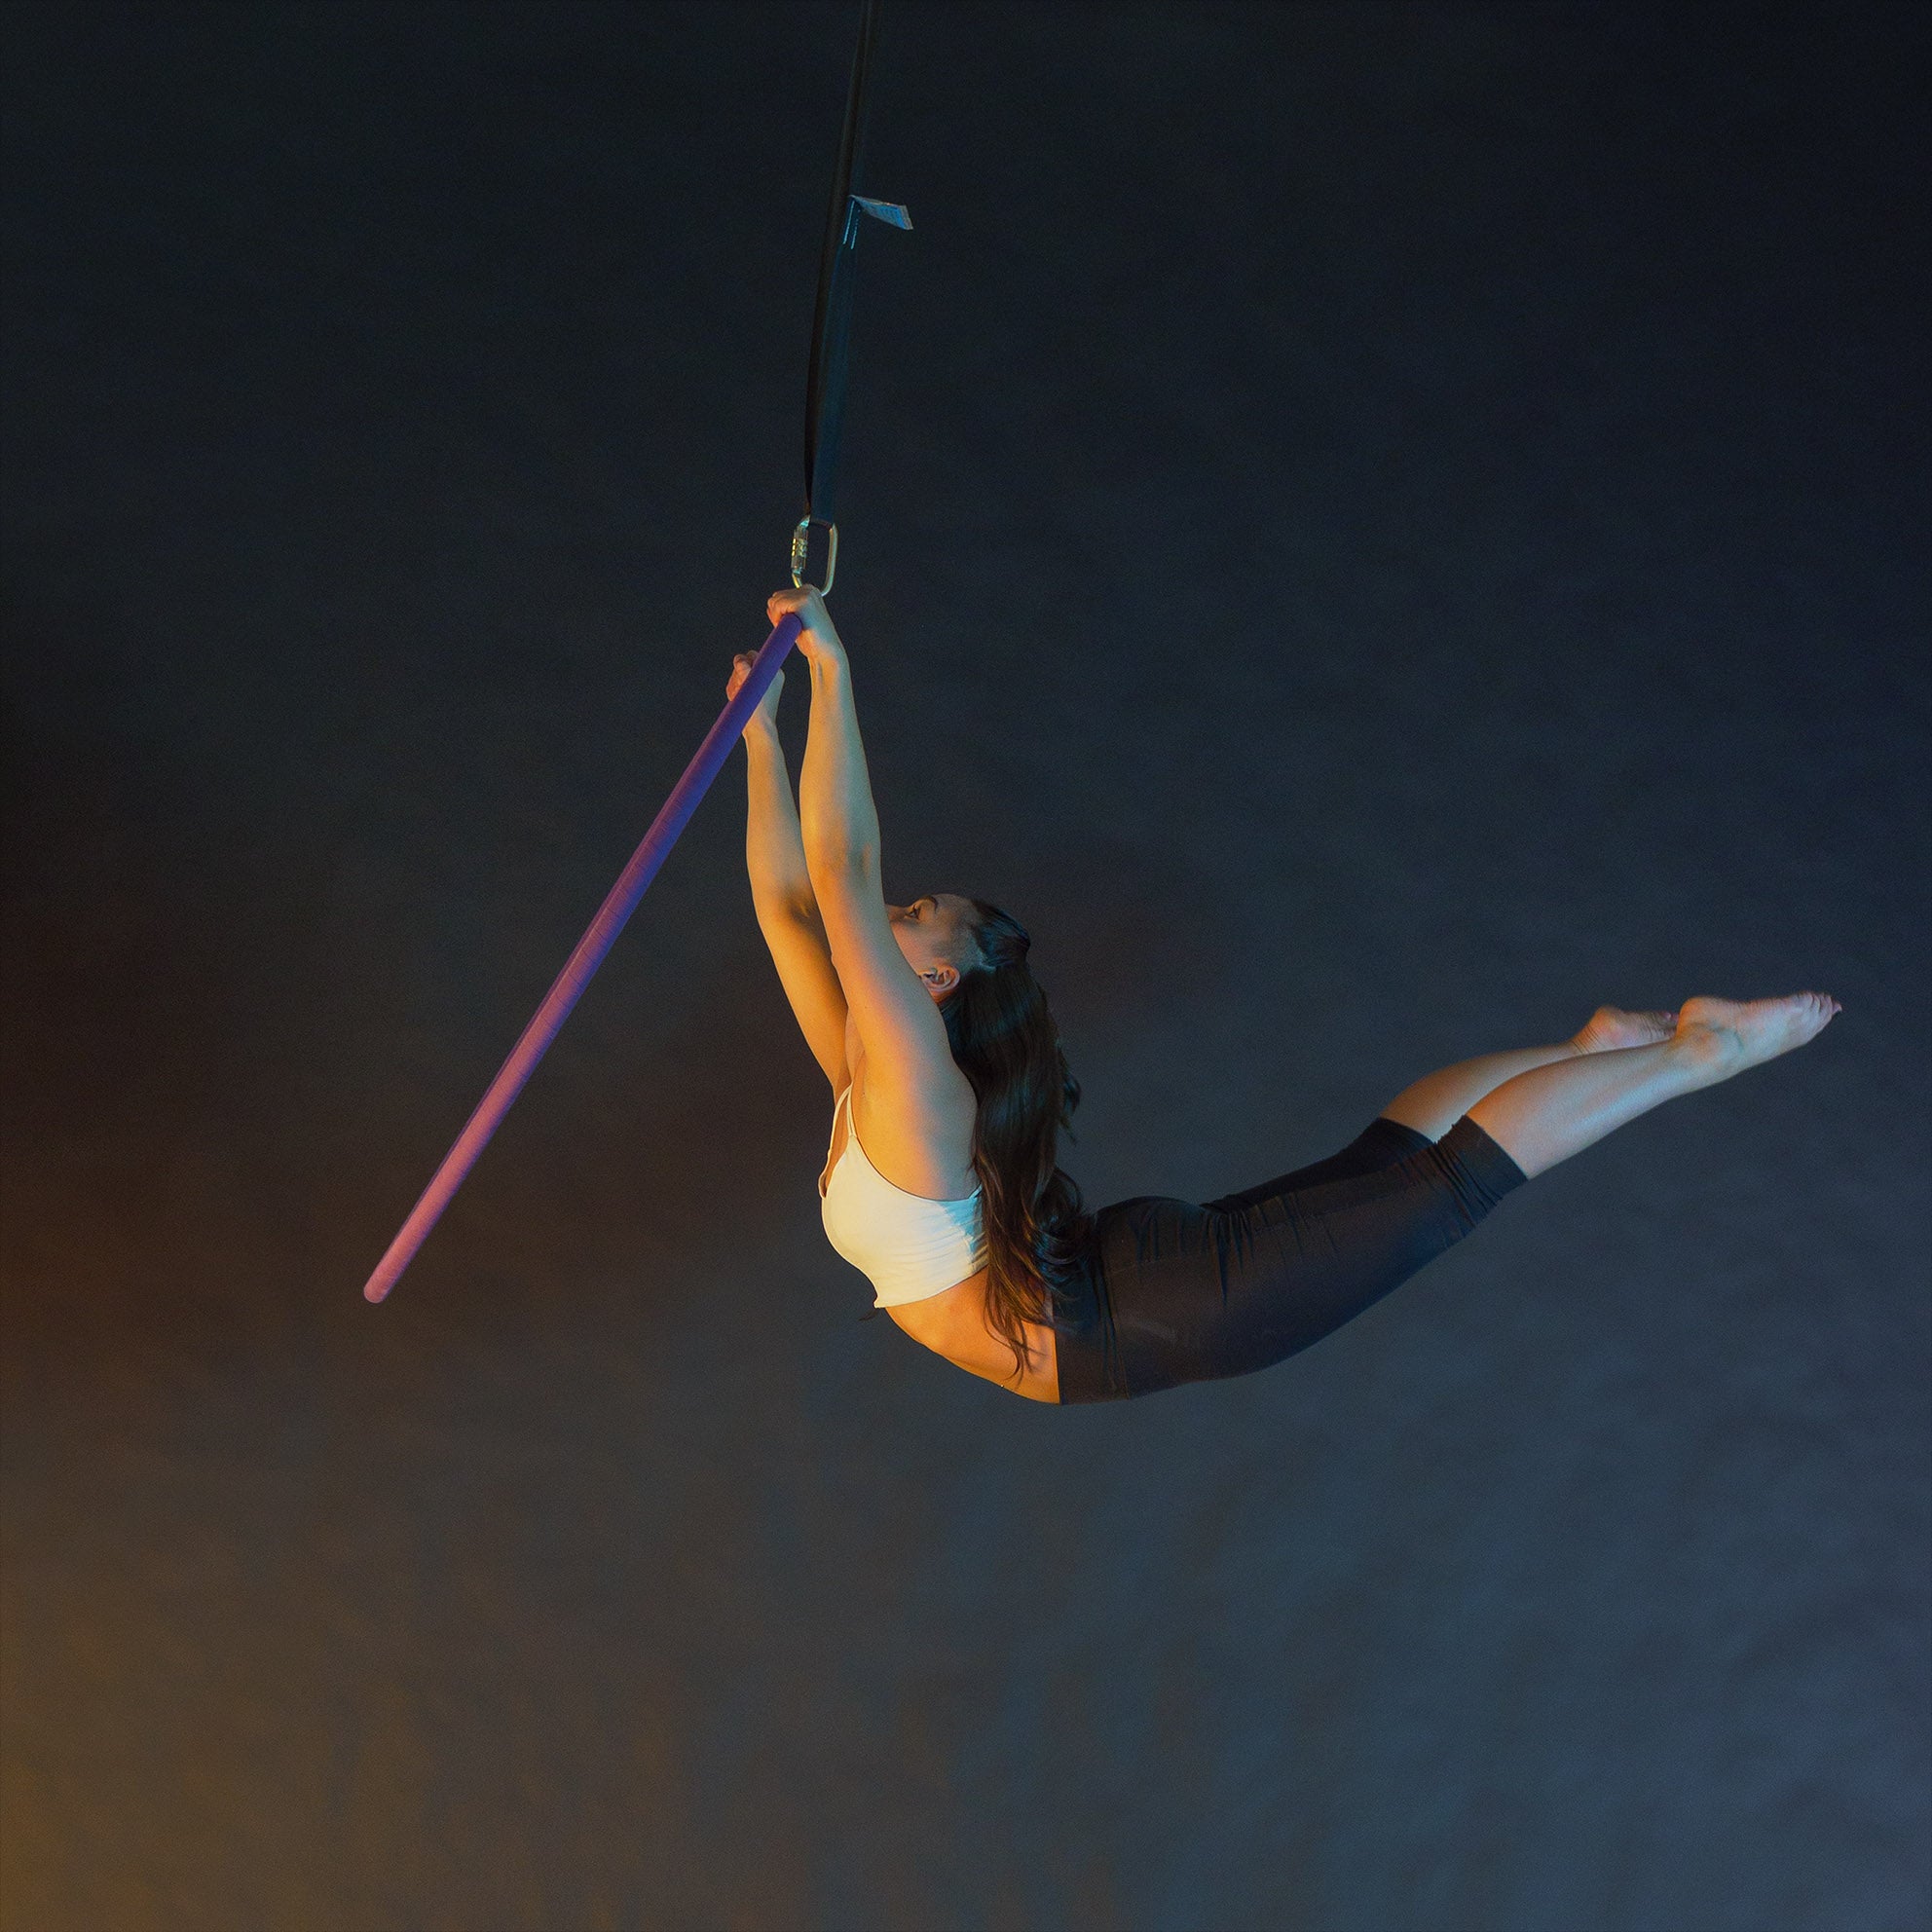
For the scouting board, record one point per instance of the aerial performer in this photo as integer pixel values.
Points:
(951, 1087)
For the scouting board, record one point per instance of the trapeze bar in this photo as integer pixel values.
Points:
(618, 907)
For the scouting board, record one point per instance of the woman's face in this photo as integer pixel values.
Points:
(934, 934)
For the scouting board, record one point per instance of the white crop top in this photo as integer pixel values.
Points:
(911, 1246)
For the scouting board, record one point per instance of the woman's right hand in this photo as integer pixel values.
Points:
(766, 712)
(818, 637)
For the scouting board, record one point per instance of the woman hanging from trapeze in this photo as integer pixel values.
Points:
(940, 1182)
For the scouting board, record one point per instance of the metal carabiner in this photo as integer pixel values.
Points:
(801, 541)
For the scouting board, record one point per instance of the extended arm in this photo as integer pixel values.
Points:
(899, 1028)
(839, 822)
(782, 889)
(774, 848)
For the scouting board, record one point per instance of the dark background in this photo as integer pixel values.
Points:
(1372, 530)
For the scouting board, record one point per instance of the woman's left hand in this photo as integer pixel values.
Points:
(817, 635)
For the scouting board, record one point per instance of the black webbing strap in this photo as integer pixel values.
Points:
(832, 321)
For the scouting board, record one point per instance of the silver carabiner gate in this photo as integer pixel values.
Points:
(801, 543)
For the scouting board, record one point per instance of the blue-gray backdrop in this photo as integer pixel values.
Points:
(1372, 529)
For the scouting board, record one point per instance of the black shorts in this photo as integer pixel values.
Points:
(1177, 1291)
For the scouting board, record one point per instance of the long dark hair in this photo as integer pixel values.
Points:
(1004, 1039)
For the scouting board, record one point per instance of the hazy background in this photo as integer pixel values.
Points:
(1371, 529)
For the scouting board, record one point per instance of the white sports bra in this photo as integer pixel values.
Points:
(911, 1246)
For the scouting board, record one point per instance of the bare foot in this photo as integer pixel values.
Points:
(1730, 1035)
(1611, 1026)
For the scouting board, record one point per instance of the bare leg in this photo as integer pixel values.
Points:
(1544, 1115)
(1435, 1103)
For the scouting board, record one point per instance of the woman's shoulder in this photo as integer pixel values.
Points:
(919, 1096)
(918, 1091)
(917, 1130)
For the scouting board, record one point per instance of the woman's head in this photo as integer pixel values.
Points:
(972, 957)
(940, 937)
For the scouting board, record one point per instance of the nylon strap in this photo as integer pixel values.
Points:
(832, 317)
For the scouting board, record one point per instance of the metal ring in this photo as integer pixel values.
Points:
(801, 541)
